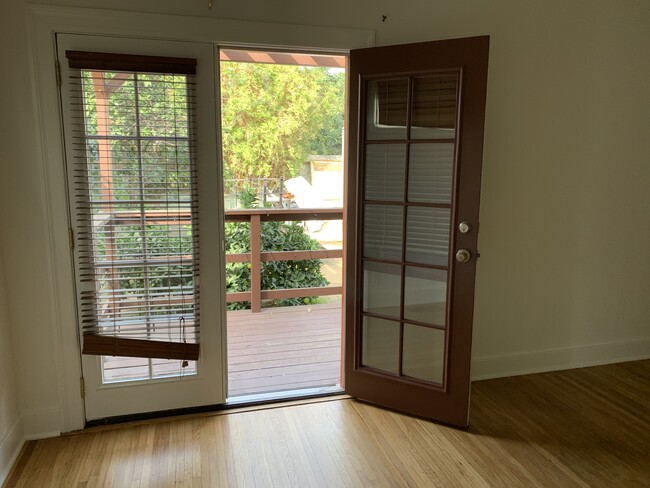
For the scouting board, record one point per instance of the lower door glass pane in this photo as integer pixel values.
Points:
(380, 344)
(381, 288)
(424, 353)
(425, 295)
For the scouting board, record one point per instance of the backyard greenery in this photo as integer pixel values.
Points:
(276, 275)
(274, 116)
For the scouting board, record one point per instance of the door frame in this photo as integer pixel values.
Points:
(46, 21)
(205, 387)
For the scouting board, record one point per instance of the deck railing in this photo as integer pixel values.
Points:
(256, 257)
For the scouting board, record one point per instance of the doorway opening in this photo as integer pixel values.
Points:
(282, 121)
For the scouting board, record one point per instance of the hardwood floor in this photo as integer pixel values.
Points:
(579, 428)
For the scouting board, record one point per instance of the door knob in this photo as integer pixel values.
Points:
(463, 255)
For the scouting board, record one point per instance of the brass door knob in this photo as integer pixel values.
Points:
(463, 255)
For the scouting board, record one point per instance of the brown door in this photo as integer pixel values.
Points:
(416, 132)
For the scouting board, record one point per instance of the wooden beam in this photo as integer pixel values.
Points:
(284, 215)
(256, 264)
(286, 255)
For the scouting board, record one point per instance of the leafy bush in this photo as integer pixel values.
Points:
(276, 275)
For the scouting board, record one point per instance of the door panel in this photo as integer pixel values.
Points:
(414, 174)
(114, 386)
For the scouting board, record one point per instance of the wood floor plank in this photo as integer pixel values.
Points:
(580, 428)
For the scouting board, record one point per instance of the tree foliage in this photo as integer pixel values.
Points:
(273, 116)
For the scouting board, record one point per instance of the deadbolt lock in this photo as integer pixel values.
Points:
(464, 227)
(463, 255)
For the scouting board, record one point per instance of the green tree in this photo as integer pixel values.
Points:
(272, 114)
(329, 139)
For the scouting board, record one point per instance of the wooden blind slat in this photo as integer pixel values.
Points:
(101, 345)
(130, 62)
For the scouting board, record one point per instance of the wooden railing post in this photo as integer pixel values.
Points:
(256, 264)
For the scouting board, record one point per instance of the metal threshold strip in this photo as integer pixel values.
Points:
(281, 396)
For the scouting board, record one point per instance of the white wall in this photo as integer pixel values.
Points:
(11, 433)
(23, 237)
(565, 269)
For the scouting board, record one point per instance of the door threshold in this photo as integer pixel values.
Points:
(281, 396)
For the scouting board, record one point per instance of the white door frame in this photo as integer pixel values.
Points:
(44, 23)
(206, 387)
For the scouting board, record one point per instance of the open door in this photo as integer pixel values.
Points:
(416, 142)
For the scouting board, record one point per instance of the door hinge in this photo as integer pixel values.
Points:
(71, 237)
(82, 387)
(57, 69)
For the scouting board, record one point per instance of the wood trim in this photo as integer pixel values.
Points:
(317, 291)
(238, 296)
(284, 215)
(256, 264)
(130, 62)
(286, 255)
(104, 345)
(300, 255)
(302, 292)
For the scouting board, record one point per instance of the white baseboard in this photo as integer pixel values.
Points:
(41, 423)
(10, 446)
(484, 368)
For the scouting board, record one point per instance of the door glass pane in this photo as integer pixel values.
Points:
(386, 109)
(427, 235)
(434, 107)
(162, 368)
(431, 172)
(380, 344)
(382, 232)
(381, 288)
(425, 295)
(384, 171)
(424, 353)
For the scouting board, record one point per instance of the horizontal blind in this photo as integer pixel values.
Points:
(135, 204)
(412, 169)
(383, 226)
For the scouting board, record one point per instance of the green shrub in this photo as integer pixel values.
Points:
(276, 275)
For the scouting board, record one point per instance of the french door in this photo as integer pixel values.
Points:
(414, 166)
(416, 140)
(136, 205)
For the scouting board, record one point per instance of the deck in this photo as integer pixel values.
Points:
(281, 349)
(275, 350)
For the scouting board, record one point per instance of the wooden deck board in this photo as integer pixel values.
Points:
(278, 349)
(282, 349)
